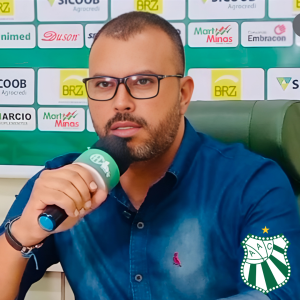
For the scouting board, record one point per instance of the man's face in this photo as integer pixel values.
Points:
(151, 125)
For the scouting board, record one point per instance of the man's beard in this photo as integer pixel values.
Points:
(160, 138)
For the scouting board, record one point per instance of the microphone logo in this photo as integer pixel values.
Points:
(98, 159)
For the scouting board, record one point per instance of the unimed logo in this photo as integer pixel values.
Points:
(17, 36)
(226, 84)
(71, 85)
(153, 6)
(7, 7)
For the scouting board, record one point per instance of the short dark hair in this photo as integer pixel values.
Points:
(127, 25)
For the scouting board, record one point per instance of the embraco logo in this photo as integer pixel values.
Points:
(61, 119)
(226, 84)
(153, 6)
(71, 85)
(7, 7)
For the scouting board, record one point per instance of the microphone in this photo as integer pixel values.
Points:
(106, 160)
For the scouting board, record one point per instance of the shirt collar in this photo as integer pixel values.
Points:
(185, 155)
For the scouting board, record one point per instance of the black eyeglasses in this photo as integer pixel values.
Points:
(140, 86)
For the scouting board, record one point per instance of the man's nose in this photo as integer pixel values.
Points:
(122, 101)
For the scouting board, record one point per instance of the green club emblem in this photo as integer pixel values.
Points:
(265, 266)
(100, 160)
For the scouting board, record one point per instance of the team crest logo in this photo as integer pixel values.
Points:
(100, 160)
(265, 266)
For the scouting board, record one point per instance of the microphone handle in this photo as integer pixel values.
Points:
(51, 217)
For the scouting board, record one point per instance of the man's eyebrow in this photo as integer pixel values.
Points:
(134, 73)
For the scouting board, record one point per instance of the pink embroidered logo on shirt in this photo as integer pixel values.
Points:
(176, 260)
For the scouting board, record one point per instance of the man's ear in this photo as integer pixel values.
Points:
(186, 92)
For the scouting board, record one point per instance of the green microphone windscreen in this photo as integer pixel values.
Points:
(117, 148)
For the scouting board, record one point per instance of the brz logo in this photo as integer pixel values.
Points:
(50, 36)
(226, 84)
(153, 6)
(7, 7)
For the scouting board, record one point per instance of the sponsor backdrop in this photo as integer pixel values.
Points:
(235, 50)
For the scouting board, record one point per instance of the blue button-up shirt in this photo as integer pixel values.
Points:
(185, 240)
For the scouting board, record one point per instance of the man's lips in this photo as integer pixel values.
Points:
(124, 124)
(125, 129)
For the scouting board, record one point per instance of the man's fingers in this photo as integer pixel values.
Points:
(53, 197)
(85, 175)
(98, 198)
(73, 190)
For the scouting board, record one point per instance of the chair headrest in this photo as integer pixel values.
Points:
(270, 128)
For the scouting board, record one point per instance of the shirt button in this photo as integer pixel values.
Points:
(138, 277)
(140, 225)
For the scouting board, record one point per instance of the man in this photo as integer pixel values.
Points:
(172, 227)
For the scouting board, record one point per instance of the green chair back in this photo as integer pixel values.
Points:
(269, 128)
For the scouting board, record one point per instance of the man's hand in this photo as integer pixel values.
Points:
(71, 187)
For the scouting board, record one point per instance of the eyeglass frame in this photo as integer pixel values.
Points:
(124, 80)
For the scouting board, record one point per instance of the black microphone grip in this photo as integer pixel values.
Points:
(52, 217)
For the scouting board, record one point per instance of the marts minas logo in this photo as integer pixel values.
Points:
(226, 84)
(7, 8)
(216, 35)
(153, 6)
(62, 119)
